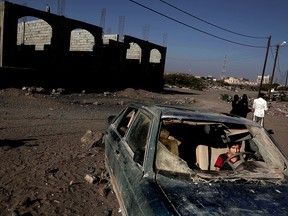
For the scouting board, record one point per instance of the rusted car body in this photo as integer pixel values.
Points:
(161, 162)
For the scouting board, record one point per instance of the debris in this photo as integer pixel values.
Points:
(90, 178)
(90, 169)
(52, 170)
(26, 202)
(91, 139)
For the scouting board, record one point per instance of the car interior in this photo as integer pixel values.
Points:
(189, 148)
(200, 143)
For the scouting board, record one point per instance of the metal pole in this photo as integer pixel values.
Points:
(263, 72)
(286, 81)
(271, 81)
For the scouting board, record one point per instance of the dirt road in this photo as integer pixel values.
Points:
(43, 162)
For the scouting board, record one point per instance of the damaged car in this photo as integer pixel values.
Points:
(160, 160)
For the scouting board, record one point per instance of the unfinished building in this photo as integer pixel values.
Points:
(34, 50)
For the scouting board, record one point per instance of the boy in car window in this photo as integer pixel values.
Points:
(234, 148)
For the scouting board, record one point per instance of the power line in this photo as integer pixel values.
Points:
(204, 32)
(244, 35)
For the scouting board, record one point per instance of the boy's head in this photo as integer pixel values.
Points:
(234, 147)
(230, 144)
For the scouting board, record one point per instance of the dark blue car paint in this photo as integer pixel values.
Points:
(134, 184)
(225, 198)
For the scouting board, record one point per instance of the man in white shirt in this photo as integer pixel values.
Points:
(259, 108)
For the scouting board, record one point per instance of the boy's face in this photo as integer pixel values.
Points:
(235, 148)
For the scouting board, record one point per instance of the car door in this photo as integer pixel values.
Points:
(126, 156)
(135, 142)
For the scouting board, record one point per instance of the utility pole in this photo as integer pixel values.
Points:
(273, 72)
(286, 81)
(263, 72)
(275, 61)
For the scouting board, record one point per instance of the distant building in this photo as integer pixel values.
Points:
(242, 81)
(266, 79)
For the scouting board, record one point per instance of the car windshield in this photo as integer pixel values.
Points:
(191, 148)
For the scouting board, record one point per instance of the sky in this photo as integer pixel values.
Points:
(219, 38)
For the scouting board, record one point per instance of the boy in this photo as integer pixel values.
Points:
(234, 148)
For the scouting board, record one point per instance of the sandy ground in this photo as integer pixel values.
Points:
(44, 164)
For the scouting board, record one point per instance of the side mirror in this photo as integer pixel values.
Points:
(109, 121)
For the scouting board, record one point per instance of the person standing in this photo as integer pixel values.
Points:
(235, 109)
(259, 108)
(243, 106)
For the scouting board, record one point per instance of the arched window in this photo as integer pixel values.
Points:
(81, 40)
(33, 32)
(155, 56)
(134, 52)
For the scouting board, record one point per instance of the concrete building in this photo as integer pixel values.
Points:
(33, 51)
(266, 79)
(239, 81)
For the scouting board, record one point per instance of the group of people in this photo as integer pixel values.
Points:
(240, 107)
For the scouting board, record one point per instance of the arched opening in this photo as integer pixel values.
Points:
(155, 56)
(81, 40)
(134, 52)
(34, 32)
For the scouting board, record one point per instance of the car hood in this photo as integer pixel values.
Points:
(224, 198)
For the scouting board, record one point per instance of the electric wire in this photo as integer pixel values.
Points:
(204, 32)
(244, 35)
(199, 30)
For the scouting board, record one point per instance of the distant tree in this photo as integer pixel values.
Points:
(184, 80)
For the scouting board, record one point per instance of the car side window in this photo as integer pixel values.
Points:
(138, 136)
(126, 121)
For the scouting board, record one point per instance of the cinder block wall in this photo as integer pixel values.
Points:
(39, 33)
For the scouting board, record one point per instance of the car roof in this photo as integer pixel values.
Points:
(196, 114)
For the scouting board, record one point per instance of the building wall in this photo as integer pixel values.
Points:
(35, 32)
(266, 79)
(240, 81)
(53, 43)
